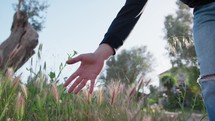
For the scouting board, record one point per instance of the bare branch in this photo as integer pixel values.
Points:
(18, 9)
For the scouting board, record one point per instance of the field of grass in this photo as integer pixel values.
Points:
(40, 100)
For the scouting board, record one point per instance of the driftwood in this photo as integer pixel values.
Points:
(20, 45)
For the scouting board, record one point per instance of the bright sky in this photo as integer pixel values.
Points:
(81, 24)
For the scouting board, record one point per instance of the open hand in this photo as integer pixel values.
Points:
(90, 67)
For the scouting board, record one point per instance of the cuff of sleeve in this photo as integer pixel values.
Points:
(113, 41)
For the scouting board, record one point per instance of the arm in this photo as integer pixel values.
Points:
(92, 63)
(124, 22)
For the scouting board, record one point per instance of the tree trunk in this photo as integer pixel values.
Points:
(19, 46)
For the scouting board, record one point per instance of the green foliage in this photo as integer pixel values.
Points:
(168, 81)
(154, 95)
(47, 101)
(128, 65)
(35, 10)
(186, 93)
(43, 99)
(53, 76)
(8, 88)
(39, 100)
(178, 34)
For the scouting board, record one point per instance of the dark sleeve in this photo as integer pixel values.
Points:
(196, 3)
(124, 22)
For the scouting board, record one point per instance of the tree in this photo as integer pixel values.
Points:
(128, 65)
(168, 82)
(171, 100)
(20, 44)
(185, 92)
(178, 34)
(35, 11)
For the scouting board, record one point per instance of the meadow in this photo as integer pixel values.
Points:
(42, 100)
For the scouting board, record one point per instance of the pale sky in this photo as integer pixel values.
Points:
(80, 25)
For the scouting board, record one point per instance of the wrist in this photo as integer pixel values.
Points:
(104, 51)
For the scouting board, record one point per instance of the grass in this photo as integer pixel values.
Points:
(42, 98)
(43, 101)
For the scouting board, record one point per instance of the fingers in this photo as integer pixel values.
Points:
(72, 77)
(79, 84)
(78, 89)
(74, 60)
(77, 81)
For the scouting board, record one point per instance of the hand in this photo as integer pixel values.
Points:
(91, 66)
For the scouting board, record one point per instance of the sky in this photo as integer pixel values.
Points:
(80, 25)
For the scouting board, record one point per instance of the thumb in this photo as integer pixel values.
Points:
(74, 60)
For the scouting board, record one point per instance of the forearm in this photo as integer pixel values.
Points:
(124, 22)
(104, 51)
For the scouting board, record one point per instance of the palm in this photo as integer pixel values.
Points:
(89, 69)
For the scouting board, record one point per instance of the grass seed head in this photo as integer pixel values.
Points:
(10, 73)
(24, 90)
(20, 105)
(55, 92)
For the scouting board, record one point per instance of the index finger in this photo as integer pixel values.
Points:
(71, 78)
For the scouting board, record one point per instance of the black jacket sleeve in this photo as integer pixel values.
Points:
(124, 22)
(196, 3)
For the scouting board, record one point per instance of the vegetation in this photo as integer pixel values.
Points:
(41, 100)
(180, 85)
(128, 65)
(35, 11)
(17, 49)
(44, 98)
(178, 34)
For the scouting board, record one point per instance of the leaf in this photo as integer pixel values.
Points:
(61, 67)
(40, 47)
(72, 55)
(52, 75)
(44, 66)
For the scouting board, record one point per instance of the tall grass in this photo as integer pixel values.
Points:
(43, 101)
(42, 98)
